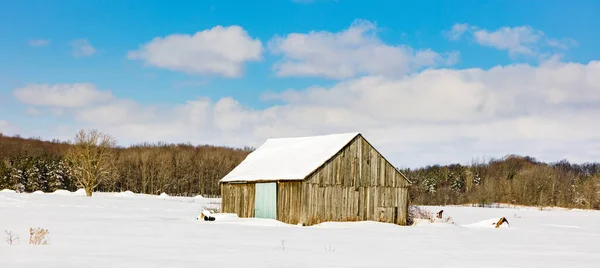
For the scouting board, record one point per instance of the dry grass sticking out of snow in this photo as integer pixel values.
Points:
(38, 236)
(419, 215)
(135, 230)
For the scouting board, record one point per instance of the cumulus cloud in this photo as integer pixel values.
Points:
(434, 116)
(61, 95)
(39, 42)
(82, 48)
(453, 115)
(216, 51)
(519, 40)
(354, 51)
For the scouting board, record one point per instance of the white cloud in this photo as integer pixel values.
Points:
(519, 40)
(219, 50)
(118, 112)
(457, 31)
(39, 42)
(82, 48)
(353, 51)
(563, 44)
(435, 116)
(61, 95)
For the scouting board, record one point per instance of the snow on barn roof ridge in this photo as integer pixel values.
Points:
(290, 158)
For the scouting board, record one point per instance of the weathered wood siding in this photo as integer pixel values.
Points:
(356, 184)
(289, 200)
(238, 198)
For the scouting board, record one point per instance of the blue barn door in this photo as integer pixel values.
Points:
(265, 205)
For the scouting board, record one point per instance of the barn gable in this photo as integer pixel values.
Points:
(356, 184)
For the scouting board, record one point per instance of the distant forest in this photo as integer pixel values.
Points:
(176, 169)
(187, 170)
(512, 179)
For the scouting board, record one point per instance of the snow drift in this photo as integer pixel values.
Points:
(107, 230)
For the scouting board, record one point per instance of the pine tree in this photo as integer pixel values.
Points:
(58, 175)
(35, 180)
(4, 173)
(16, 172)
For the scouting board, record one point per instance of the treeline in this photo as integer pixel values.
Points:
(183, 169)
(512, 179)
(176, 169)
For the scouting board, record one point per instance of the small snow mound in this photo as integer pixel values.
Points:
(490, 223)
(80, 192)
(125, 194)
(198, 197)
(38, 192)
(163, 195)
(7, 191)
(62, 192)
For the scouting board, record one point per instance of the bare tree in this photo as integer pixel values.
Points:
(91, 158)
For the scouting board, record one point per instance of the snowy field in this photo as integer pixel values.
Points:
(128, 230)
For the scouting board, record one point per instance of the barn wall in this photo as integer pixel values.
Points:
(238, 198)
(357, 184)
(289, 200)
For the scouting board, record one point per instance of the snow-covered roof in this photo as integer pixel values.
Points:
(288, 158)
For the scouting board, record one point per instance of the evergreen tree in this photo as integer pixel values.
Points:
(34, 181)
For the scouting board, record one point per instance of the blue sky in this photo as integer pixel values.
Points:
(429, 81)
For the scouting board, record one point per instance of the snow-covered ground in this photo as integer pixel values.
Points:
(129, 230)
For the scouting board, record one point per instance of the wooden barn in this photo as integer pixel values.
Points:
(309, 180)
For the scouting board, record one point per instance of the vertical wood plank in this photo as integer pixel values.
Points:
(357, 184)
